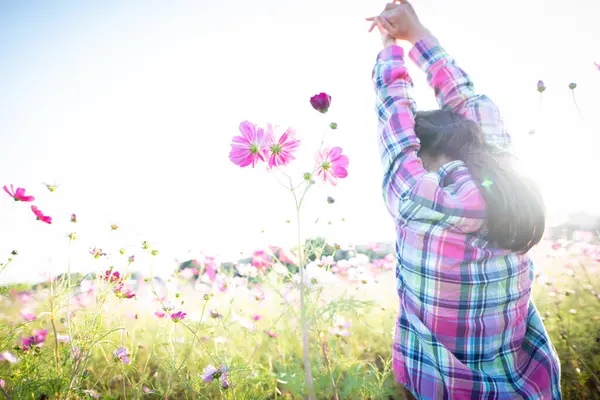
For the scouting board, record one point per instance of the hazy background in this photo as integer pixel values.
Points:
(131, 106)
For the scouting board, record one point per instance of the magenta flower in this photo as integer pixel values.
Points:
(250, 147)
(332, 164)
(178, 316)
(73, 218)
(123, 292)
(121, 354)
(112, 277)
(40, 215)
(37, 339)
(159, 314)
(280, 151)
(19, 194)
(321, 102)
(541, 87)
(256, 317)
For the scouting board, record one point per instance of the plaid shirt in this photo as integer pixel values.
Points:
(467, 328)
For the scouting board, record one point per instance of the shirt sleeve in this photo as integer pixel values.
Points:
(409, 190)
(454, 90)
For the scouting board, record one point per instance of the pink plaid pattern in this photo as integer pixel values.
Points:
(467, 328)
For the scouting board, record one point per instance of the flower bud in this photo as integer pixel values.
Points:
(330, 200)
(541, 87)
(572, 85)
(333, 125)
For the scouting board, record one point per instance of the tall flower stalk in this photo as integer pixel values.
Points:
(254, 146)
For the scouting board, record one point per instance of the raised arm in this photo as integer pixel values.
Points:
(454, 90)
(396, 110)
(410, 192)
(453, 87)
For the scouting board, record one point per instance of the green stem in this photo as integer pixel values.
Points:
(304, 325)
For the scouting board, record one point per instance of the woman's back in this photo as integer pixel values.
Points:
(466, 327)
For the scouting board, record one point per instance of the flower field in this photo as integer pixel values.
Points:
(223, 330)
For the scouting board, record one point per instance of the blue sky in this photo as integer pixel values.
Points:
(130, 107)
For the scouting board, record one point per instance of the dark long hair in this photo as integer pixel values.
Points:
(515, 208)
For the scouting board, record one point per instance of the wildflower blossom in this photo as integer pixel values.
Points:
(40, 215)
(19, 194)
(331, 165)
(7, 356)
(340, 327)
(541, 87)
(261, 261)
(122, 354)
(321, 102)
(97, 253)
(178, 316)
(28, 316)
(160, 314)
(92, 394)
(73, 218)
(112, 277)
(280, 150)
(37, 339)
(272, 334)
(211, 373)
(256, 317)
(250, 147)
(123, 292)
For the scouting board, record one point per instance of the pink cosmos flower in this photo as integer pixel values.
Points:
(123, 292)
(280, 151)
(256, 317)
(28, 316)
(272, 334)
(37, 339)
(112, 277)
(331, 165)
(7, 356)
(250, 147)
(19, 194)
(321, 102)
(121, 354)
(261, 261)
(283, 255)
(178, 316)
(40, 215)
(159, 314)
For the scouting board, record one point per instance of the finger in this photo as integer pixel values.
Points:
(384, 24)
(373, 25)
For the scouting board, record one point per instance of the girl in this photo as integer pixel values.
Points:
(465, 221)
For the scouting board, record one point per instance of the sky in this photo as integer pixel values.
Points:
(130, 108)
